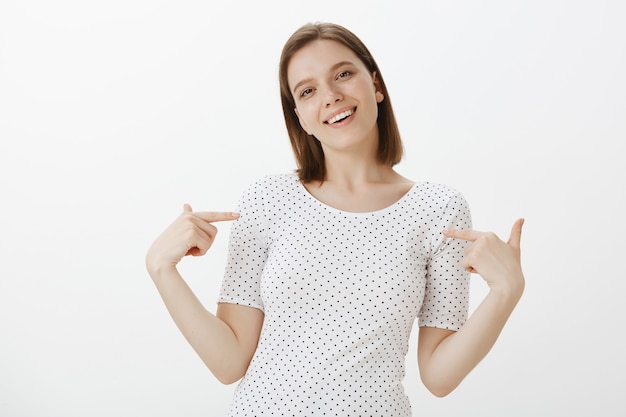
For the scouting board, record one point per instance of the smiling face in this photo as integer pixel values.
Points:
(335, 95)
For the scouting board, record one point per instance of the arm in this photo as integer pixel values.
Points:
(225, 342)
(446, 357)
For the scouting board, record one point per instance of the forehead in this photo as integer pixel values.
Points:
(318, 57)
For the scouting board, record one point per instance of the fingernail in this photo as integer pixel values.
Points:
(235, 214)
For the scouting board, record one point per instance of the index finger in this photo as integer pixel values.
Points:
(216, 216)
(469, 235)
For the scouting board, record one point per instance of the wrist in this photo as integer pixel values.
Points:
(510, 291)
(158, 270)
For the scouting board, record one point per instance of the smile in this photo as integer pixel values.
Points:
(339, 117)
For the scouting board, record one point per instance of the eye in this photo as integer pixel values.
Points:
(344, 74)
(306, 92)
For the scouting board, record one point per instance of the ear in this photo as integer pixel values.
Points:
(379, 95)
(302, 123)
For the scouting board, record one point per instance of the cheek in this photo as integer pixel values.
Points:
(306, 113)
(301, 115)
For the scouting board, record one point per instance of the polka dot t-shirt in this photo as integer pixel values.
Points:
(340, 292)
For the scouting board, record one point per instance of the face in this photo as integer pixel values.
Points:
(335, 94)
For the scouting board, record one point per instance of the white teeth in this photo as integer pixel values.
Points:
(339, 117)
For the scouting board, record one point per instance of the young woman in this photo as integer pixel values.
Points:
(328, 267)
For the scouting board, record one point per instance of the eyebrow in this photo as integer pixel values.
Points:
(331, 69)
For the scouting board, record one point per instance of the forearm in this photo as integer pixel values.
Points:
(447, 364)
(212, 339)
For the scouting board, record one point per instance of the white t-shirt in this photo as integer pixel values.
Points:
(340, 292)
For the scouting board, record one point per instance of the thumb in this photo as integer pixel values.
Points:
(187, 208)
(516, 234)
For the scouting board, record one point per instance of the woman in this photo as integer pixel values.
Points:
(328, 267)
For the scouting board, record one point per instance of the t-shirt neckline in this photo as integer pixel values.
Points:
(328, 207)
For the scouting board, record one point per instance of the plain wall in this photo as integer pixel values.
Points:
(114, 114)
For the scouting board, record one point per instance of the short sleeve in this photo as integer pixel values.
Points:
(446, 299)
(247, 252)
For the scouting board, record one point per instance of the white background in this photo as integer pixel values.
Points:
(113, 114)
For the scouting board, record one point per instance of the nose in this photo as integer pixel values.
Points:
(332, 96)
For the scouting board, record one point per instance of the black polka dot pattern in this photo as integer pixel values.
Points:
(340, 292)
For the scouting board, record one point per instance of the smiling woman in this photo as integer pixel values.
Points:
(330, 92)
(114, 114)
(329, 266)
(353, 55)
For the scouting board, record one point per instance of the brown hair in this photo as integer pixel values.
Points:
(307, 150)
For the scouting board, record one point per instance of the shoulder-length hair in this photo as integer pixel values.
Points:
(307, 149)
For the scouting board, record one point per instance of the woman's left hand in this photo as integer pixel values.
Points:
(497, 262)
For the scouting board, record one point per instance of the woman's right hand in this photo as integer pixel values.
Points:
(192, 233)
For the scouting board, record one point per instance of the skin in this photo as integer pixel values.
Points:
(326, 78)
(337, 82)
(444, 357)
(225, 341)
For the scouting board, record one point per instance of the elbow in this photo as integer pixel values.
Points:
(439, 388)
(228, 374)
(440, 392)
(228, 379)
(228, 370)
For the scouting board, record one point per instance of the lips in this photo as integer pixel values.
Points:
(340, 116)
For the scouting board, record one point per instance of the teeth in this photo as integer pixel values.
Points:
(339, 117)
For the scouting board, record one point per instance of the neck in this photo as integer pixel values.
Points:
(353, 164)
(351, 172)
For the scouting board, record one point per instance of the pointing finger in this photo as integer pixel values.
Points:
(217, 216)
(212, 216)
(469, 235)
